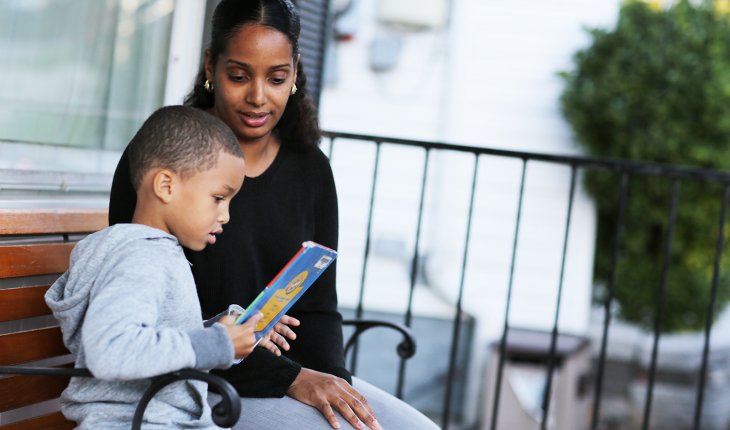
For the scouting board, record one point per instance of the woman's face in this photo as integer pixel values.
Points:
(252, 81)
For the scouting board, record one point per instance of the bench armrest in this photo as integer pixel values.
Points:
(405, 349)
(225, 414)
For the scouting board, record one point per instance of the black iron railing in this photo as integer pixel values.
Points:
(625, 170)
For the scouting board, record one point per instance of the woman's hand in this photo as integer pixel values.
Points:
(276, 339)
(327, 393)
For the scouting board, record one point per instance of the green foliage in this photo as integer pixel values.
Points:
(657, 88)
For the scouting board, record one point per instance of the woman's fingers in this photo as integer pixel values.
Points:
(329, 393)
(365, 411)
(284, 325)
(285, 331)
(266, 343)
(276, 340)
(289, 320)
(280, 341)
(356, 410)
(329, 415)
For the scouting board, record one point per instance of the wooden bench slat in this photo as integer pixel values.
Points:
(23, 302)
(26, 259)
(48, 221)
(36, 259)
(17, 391)
(54, 421)
(31, 345)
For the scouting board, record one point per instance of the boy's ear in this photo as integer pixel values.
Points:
(162, 184)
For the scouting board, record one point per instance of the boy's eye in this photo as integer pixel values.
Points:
(219, 198)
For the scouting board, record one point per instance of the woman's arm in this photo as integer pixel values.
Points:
(319, 344)
(323, 381)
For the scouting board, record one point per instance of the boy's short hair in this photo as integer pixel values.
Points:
(183, 139)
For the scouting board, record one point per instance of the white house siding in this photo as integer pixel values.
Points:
(504, 92)
(489, 80)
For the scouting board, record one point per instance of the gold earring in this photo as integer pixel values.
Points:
(294, 89)
(208, 86)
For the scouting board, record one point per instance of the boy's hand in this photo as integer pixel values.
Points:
(276, 339)
(242, 335)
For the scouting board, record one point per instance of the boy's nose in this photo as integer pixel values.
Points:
(224, 217)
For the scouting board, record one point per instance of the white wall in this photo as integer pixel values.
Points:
(489, 79)
(503, 91)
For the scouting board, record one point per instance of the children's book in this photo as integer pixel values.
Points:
(288, 285)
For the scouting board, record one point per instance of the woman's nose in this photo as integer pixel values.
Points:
(256, 95)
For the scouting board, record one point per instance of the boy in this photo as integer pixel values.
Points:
(127, 305)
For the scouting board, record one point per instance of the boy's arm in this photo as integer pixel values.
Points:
(121, 334)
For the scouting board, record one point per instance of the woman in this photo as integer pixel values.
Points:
(252, 79)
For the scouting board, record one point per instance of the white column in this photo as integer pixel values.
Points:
(186, 42)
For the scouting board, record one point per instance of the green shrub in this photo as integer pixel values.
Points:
(656, 88)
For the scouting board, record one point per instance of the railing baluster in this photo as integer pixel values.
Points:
(554, 335)
(414, 269)
(457, 318)
(331, 148)
(660, 302)
(711, 308)
(615, 247)
(505, 329)
(366, 253)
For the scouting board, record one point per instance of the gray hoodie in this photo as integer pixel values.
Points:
(128, 310)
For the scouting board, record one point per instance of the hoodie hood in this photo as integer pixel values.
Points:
(68, 297)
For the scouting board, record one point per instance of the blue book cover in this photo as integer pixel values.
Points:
(285, 289)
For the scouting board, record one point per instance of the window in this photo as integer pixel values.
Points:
(81, 73)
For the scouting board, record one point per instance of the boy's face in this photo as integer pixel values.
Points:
(200, 202)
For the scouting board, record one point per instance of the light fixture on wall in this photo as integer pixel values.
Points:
(421, 14)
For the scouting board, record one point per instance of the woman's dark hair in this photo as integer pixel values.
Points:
(298, 126)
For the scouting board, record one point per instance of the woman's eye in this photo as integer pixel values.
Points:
(237, 78)
(219, 198)
(278, 81)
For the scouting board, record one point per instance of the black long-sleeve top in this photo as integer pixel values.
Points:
(294, 200)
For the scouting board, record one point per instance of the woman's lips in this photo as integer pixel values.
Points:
(254, 119)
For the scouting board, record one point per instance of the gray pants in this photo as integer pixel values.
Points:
(286, 413)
